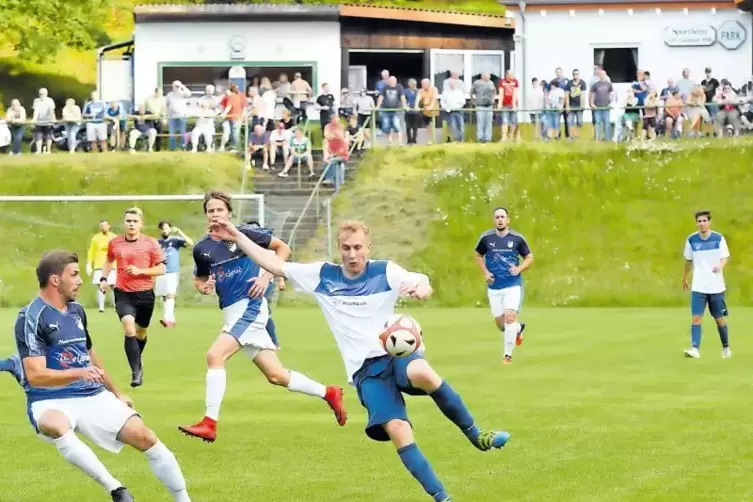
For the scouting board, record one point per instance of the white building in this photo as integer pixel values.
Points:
(663, 37)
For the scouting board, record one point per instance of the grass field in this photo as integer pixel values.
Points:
(600, 403)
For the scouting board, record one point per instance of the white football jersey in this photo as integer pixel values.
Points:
(355, 309)
(706, 254)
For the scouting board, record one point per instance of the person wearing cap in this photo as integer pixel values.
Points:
(176, 113)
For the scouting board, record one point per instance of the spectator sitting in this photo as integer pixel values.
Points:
(746, 117)
(632, 114)
(258, 146)
(145, 124)
(696, 111)
(333, 130)
(157, 104)
(347, 104)
(728, 114)
(354, 135)
(300, 152)
(287, 120)
(117, 116)
(72, 118)
(279, 141)
(16, 117)
(204, 127)
(650, 112)
(96, 128)
(44, 119)
(673, 114)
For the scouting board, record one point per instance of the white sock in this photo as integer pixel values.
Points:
(166, 468)
(80, 455)
(216, 384)
(170, 309)
(511, 332)
(100, 300)
(303, 384)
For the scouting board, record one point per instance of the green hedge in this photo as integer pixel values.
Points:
(606, 224)
(30, 228)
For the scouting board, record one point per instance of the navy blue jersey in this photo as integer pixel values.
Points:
(231, 268)
(171, 245)
(501, 253)
(62, 338)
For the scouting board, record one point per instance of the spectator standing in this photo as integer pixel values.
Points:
(96, 127)
(283, 89)
(300, 92)
(555, 106)
(574, 104)
(428, 101)
(412, 115)
(44, 120)
(176, 114)
(483, 92)
(71, 115)
(233, 107)
(535, 105)
(325, 103)
(391, 99)
(383, 82)
(453, 102)
(650, 114)
(117, 116)
(365, 110)
(16, 118)
(562, 82)
(601, 98)
(710, 85)
(347, 104)
(508, 98)
(685, 85)
(269, 96)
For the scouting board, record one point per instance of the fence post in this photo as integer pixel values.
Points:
(329, 228)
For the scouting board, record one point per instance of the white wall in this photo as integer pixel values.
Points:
(559, 39)
(114, 83)
(210, 42)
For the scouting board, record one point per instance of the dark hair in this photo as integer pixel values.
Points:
(163, 223)
(534, 79)
(502, 208)
(218, 195)
(704, 212)
(53, 263)
(253, 223)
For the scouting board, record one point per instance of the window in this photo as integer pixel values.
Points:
(620, 63)
(197, 77)
(468, 64)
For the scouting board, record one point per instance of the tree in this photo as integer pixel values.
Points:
(38, 29)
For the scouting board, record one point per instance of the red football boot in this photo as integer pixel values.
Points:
(334, 398)
(206, 429)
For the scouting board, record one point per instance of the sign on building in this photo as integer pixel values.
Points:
(731, 35)
(689, 36)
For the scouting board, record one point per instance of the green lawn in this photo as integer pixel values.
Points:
(600, 403)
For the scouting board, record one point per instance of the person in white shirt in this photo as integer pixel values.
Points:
(555, 104)
(204, 127)
(357, 299)
(44, 120)
(706, 252)
(72, 118)
(279, 141)
(453, 102)
(176, 113)
(535, 102)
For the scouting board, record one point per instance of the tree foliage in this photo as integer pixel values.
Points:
(38, 29)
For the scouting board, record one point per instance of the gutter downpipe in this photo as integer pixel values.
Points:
(523, 70)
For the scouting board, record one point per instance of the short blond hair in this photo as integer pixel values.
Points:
(134, 210)
(348, 227)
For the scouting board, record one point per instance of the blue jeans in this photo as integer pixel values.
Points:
(335, 172)
(72, 130)
(457, 125)
(390, 122)
(484, 117)
(602, 126)
(176, 126)
(17, 138)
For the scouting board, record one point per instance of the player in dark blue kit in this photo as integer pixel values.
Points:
(498, 255)
(68, 390)
(166, 285)
(279, 282)
(240, 286)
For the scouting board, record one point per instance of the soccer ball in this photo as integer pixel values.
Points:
(401, 336)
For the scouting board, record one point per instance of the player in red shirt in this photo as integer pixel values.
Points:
(508, 97)
(139, 259)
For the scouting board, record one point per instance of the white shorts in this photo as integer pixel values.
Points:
(166, 284)
(99, 418)
(246, 321)
(505, 299)
(111, 277)
(96, 132)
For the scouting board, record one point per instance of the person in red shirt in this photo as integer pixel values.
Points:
(139, 259)
(508, 98)
(233, 105)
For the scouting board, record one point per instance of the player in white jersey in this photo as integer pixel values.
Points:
(706, 252)
(357, 299)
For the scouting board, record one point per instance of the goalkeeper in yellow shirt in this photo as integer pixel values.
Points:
(96, 259)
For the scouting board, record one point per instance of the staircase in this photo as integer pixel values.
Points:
(285, 199)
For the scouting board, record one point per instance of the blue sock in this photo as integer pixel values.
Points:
(7, 365)
(419, 467)
(695, 335)
(723, 335)
(272, 331)
(450, 403)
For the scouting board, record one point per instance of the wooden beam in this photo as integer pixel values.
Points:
(427, 16)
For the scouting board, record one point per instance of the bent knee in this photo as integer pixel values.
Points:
(721, 321)
(422, 376)
(53, 424)
(278, 378)
(510, 316)
(398, 429)
(138, 435)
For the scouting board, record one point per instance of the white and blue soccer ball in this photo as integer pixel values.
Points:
(401, 336)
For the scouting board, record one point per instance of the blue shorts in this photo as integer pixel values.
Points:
(380, 384)
(716, 302)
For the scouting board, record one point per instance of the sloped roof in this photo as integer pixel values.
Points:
(648, 3)
(236, 12)
(426, 15)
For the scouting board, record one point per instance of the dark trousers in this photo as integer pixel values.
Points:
(412, 121)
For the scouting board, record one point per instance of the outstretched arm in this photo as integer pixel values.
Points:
(272, 263)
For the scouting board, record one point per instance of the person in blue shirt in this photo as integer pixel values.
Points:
(94, 113)
(240, 285)
(166, 285)
(68, 390)
(498, 255)
(279, 282)
(116, 114)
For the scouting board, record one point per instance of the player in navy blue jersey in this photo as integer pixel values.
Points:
(498, 255)
(69, 391)
(240, 286)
